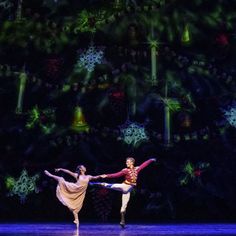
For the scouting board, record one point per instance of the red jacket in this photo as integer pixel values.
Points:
(131, 175)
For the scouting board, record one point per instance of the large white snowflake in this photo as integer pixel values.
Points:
(90, 58)
(133, 133)
(24, 185)
(230, 114)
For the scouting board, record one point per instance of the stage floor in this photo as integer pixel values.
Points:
(42, 229)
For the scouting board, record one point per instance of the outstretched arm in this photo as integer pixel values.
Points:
(94, 177)
(146, 163)
(75, 175)
(115, 175)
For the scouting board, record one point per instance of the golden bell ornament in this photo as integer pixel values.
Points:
(79, 123)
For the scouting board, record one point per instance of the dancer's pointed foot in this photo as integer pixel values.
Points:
(98, 184)
(76, 222)
(122, 221)
(47, 173)
(122, 224)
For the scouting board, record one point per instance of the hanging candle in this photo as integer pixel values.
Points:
(22, 83)
(186, 35)
(154, 46)
(79, 123)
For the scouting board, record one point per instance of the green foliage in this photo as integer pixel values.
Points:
(173, 104)
(193, 172)
(33, 119)
(44, 119)
(9, 182)
(189, 168)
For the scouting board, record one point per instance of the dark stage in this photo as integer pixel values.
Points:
(65, 229)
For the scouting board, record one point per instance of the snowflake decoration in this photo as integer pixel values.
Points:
(23, 186)
(133, 133)
(230, 114)
(90, 58)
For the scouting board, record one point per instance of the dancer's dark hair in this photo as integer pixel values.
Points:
(78, 171)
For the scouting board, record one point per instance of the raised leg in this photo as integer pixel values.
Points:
(119, 187)
(57, 178)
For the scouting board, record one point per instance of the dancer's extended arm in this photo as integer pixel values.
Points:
(146, 163)
(115, 175)
(94, 177)
(75, 175)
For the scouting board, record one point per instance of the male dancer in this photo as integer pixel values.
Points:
(131, 175)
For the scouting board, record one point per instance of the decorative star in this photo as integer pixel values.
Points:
(23, 186)
(230, 114)
(133, 133)
(90, 58)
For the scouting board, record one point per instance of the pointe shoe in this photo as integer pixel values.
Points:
(76, 222)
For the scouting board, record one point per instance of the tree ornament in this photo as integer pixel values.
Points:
(230, 114)
(23, 186)
(90, 58)
(186, 35)
(79, 124)
(154, 50)
(133, 133)
(22, 83)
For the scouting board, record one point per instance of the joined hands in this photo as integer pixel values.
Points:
(103, 176)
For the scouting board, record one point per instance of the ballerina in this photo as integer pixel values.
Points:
(72, 194)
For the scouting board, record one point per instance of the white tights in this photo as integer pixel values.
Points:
(125, 189)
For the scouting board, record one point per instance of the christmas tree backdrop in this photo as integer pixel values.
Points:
(96, 81)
